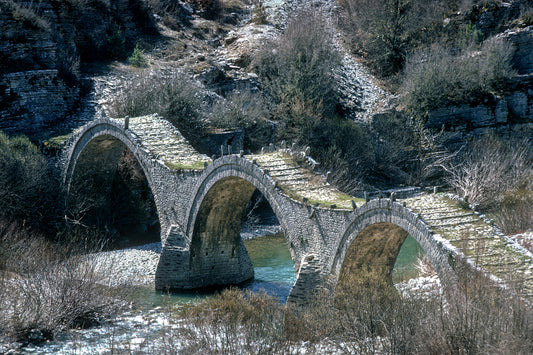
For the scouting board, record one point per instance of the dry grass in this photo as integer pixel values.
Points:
(233, 322)
(366, 316)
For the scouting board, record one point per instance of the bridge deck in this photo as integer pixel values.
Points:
(300, 182)
(482, 243)
(166, 143)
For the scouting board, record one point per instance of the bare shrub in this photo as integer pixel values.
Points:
(28, 14)
(475, 318)
(49, 289)
(489, 168)
(298, 67)
(526, 13)
(384, 31)
(365, 315)
(259, 15)
(345, 148)
(240, 109)
(233, 322)
(439, 78)
(208, 8)
(247, 110)
(514, 213)
(174, 96)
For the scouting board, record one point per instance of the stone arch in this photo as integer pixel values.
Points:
(214, 219)
(96, 150)
(376, 235)
(90, 132)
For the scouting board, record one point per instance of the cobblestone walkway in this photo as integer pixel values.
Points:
(473, 235)
(300, 182)
(166, 143)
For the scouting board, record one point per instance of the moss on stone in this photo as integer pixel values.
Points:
(197, 165)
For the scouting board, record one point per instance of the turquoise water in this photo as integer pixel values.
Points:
(273, 267)
(274, 272)
(405, 266)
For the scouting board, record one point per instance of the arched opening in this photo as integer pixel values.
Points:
(110, 194)
(387, 255)
(267, 247)
(231, 211)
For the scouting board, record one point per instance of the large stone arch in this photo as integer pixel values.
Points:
(373, 239)
(96, 150)
(214, 219)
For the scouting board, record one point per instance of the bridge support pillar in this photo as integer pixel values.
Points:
(182, 267)
(308, 280)
(173, 269)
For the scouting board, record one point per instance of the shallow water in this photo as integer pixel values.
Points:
(405, 266)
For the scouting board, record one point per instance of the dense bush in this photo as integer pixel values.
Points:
(27, 189)
(440, 78)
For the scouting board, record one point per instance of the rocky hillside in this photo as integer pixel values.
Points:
(43, 46)
(66, 62)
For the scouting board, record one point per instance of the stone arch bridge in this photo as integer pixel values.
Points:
(201, 204)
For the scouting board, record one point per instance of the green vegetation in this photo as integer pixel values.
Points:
(26, 186)
(137, 58)
(197, 165)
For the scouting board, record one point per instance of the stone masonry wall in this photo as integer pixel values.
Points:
(194, 219)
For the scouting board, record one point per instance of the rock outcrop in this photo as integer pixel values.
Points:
(41, 47)
(511, 114)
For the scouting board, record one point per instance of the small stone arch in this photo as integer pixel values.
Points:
(379, 230)
(100, 128)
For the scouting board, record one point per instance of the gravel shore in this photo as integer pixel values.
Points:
(137, 265)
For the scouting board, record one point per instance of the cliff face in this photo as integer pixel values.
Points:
(41, 47)
(512, 113)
